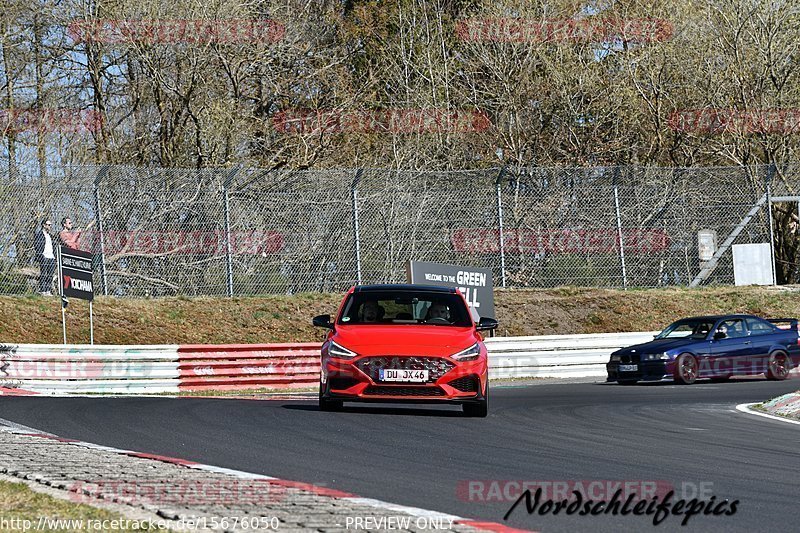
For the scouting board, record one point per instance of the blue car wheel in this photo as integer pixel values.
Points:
(778, 366)
(686, 369)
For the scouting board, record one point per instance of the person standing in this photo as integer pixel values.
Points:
(43, 245)
(67, 235)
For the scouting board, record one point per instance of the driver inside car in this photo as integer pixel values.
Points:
(438, 310)
(371, 311)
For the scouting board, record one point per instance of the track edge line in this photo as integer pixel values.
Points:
(745, 408)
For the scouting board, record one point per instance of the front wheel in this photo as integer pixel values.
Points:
(326, 404)
(778, 366)
(330, 405)
(479, 409)
(686, 369)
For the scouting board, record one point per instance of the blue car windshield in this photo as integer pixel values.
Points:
(695, 328)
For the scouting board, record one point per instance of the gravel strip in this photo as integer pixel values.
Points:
(191, 499)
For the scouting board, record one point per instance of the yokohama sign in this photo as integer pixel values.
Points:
(559, 241)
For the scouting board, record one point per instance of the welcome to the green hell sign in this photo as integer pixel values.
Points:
(473, 282)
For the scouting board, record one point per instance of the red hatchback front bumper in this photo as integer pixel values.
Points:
(358, 379)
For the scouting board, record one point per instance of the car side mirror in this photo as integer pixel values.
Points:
(322, 321)
(486, 323)
(719, 335)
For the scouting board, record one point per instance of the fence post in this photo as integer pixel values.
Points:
(228, 255)
(771, 174)
(99, 214)
(497, 189)
(619, 229)
(356, 228)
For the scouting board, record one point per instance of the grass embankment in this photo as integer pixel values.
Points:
(23, 509)
(35, 319)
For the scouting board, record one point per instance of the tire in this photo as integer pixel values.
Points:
(686, 369)
(326, 404)
(778, 366)
(478, 409)
(330, 405)
(628, 382)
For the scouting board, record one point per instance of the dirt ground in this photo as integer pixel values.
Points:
(36, 319)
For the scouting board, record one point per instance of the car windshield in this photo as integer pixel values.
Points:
(406, 307)
(696, 328)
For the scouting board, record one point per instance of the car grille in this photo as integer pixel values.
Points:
(629, 358)
(403, 391)
(436, 366)
(467, 384)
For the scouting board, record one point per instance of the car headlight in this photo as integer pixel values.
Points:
(655, 357)
(469, 354)
(337, 350)
(615, 358)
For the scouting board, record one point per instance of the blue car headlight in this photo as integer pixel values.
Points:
(655, 357)
(615, 358)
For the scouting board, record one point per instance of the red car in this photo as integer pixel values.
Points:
(404, 343)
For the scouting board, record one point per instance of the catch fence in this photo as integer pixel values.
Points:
(157, 232)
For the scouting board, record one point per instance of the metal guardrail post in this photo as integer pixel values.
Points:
(356, 227)
(619, 230)
(497, 188)
(771, 174)
(99, 214)
(228, 253)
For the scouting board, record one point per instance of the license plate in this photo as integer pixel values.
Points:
(410, 376)
(628, 368)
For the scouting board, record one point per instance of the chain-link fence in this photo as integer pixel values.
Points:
(248, 231)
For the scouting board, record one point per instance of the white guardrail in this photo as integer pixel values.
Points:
(80, 368)
(59, 369)
(557, 356)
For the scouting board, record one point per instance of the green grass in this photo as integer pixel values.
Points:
(19, 503)
(282, 318)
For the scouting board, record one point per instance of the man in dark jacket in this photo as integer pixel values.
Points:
(45, 254)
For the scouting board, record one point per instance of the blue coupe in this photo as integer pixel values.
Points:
(715, 347)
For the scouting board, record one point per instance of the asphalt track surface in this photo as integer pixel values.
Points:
(688, 436)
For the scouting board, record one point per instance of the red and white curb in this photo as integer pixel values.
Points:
(7, 391)
(745, 408)
(308, 487)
